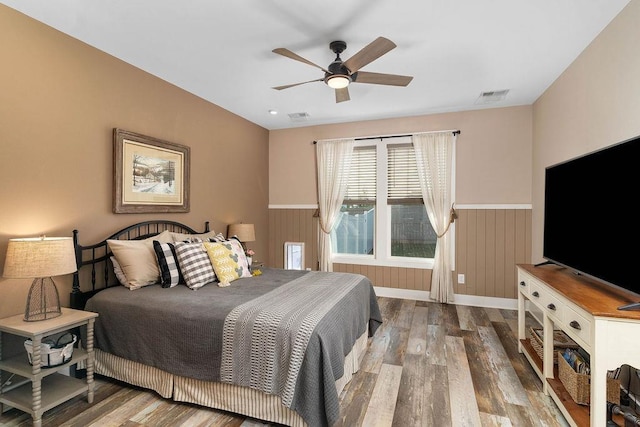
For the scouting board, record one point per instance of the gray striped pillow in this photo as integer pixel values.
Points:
(195, 264)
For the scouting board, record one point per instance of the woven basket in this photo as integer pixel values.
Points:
(560, 341)
(579, 385)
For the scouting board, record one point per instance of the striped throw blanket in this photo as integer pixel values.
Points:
(265, 340)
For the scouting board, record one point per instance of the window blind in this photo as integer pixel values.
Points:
(402, 174)
(362, 176)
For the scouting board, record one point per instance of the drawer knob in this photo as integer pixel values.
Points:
(523, 284)
(535, 294)
(551, 306)
(575, 325)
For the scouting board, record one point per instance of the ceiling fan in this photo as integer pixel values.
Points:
(338, 75)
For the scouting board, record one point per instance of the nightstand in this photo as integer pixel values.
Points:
(48, 388)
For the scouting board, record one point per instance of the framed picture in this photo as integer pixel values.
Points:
(150, 175)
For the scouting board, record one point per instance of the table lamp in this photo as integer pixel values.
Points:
(244, 233)
(40, 258)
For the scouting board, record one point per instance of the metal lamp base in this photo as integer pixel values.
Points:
(43, 301)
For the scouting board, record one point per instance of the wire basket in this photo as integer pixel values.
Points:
(53, 353)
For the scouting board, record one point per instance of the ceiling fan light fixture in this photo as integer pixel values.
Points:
(340, 74)
(338, 81)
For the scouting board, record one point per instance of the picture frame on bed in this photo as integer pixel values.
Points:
(150, 175)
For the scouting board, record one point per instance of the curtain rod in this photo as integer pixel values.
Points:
(455, 132)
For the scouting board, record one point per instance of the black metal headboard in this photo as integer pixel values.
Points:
(100, 273)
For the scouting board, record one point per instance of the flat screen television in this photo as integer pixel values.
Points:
(589, 222)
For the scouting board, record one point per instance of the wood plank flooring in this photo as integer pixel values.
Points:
(429, 364)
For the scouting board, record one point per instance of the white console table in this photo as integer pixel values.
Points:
(587, 311)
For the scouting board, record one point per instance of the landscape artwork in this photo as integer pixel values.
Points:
(151, 175)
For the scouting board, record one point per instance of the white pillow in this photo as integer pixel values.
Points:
(117, 270)
(137, 259)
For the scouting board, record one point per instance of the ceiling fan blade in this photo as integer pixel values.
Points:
(286, 52)
(342, 94)
(369, 53)
(296, 84)
(382, 79)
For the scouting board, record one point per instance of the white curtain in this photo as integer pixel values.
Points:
(334, 162)
(434, 157)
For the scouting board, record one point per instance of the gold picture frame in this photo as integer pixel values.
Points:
(150, 175)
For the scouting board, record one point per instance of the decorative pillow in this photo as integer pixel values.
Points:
(194, 264)
(186, 237)
(228, 260)
(137, 259)
(217, 238)
(170, 274)
(193, 240)
(117, 270)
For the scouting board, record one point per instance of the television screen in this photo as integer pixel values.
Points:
(589, 223)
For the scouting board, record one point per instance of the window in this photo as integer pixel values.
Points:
(355, 230)
(411, 232)
(383, 220)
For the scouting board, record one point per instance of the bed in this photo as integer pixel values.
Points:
(278, 345)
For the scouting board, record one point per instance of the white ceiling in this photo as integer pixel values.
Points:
(222, 50)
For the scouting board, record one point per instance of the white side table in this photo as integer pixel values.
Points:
(48, 388)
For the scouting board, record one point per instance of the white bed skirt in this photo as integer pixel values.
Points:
(227, 397)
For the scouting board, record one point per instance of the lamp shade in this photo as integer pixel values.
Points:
(244, 232)
(39, 257)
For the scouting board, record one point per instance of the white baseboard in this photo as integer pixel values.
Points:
(402, 293)
(487, 302)
(460, 299)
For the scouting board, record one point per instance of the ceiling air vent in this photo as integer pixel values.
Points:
(298, 117)
(492, 96)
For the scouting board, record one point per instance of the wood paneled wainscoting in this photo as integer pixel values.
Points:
(293, 225)
(490, 241)
(489, 244)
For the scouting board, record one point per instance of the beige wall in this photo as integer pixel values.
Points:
(60, 100)
(593, 104)
(493, 154)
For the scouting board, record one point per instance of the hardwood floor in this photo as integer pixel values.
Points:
(429, 364)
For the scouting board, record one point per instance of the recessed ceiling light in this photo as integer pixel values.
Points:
(273, 112)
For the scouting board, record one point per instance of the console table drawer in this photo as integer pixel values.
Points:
(578, 325)
(535, 292)
(538, 293)
(523, 283)
(554, 306)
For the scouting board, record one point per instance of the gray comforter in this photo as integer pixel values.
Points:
(180, 331)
